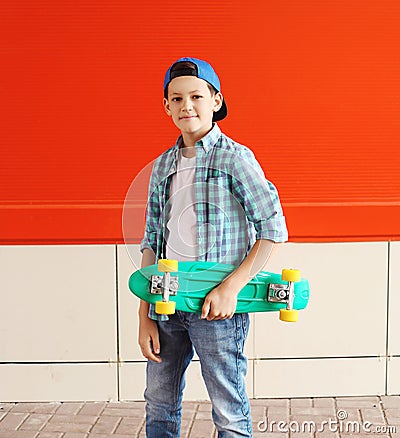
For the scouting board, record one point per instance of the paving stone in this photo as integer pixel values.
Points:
(279, 410)
(127, 428)
(121, 412)
(106, 424)
(5, 407)
(12, 421)
(300, 402)
(203, 415)
(35, 422)
(391, 401)
(50, 435)
(309, 423)
(202, 429)
(365, 435)
(258, 413)
(96, 435)
(69, 408)
(351, 414)
(312, 411)
(394, 429)
(67, 427)
(205, 406)
(126, 419)
(301, 435)
(276, 418)
(45, 408)
(25, 408)
(76, 419)
(188, 414)
(267, 425)
(392, 420)
(357, 402)
(92, 409)
(372, 415)
(132, 421)
(257, 434)
(281, 402)
(393, 412)
(327, 434)
(258, 402)
(75, 435)
(322, 402)
(190, 404)
(185, 427)
(18, 434)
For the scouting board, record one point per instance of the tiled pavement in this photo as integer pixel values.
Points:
(277, 418)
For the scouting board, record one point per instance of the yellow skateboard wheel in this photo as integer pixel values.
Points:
(165, 308)
(288, 315)
(165, 265)
(291, 275)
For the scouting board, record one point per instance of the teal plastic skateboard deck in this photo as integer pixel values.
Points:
(185, 285)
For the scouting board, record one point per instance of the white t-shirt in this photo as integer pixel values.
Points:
(181, 242)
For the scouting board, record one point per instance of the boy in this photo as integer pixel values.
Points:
(208, 200)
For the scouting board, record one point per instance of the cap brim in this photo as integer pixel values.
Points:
(221, 113)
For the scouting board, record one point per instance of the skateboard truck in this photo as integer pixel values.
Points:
(160, 283)
(284, 293)
(166, 286)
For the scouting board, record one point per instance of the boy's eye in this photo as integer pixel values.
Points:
(197, 96)
(176, 99)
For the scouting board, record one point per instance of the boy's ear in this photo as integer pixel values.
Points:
(218, 98)
(166, 106)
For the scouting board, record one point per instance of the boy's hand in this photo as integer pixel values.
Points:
(148, 338)
(220, 303)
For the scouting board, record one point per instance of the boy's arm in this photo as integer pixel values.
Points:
(148, 331)
(221, 302)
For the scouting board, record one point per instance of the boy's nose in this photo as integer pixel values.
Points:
(186, 105)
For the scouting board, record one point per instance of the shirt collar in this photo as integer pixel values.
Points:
(207, 142)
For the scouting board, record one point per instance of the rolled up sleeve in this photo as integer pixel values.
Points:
(259, 198)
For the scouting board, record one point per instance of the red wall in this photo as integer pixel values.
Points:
(311, 86)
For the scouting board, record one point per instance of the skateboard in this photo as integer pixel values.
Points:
(183, 286)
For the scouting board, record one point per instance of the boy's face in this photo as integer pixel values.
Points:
(191, 105)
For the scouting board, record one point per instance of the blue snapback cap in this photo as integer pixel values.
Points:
(203, 70)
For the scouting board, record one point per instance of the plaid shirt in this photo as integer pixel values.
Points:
(235, 204)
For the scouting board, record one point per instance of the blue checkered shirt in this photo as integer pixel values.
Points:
(235, 204)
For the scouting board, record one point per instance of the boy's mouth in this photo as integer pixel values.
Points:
(187, 117)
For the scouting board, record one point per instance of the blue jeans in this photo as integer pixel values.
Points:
(219, 345)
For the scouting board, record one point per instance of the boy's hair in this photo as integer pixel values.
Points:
(202, 70)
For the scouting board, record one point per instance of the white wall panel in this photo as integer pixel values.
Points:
(58, 303)
(129, 258)
(393, 379)
(394, 300)
(59, 306)
(319, 377)
(346, 315)
(132, 380)
(58, 382)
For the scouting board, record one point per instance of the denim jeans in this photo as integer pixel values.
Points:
(219, 345)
